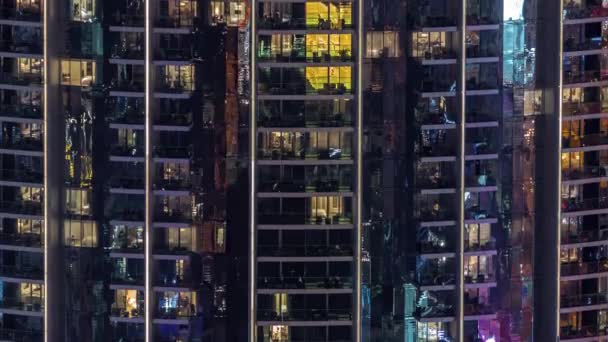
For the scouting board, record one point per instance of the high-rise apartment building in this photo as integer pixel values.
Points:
(303, 170)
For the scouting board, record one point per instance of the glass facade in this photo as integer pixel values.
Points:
(303, 170)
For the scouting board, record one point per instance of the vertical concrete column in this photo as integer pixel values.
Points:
(54, 26)
(548, 172)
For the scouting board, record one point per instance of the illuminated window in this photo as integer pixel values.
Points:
(31, 294)
(329, 78)
(386, 44)
(78, 202)
(326, 206)
(80, 233)
(128, 302)
(77, 72)
(29, 226)
(232, 15)
(82, 10)
(329, 15)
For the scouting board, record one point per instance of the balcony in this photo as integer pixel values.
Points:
(25, 207)
(21, 111)
(127, 51)
(432, 21)
(302, 218)
(585, 172)
(574, 205)
(21, 79)
(479, 246)
(305, 315)
(587, 140)
(472, 308)
(21, 239)
(589, 10)
(16, 335)
(578, 236)
(582, 108)
(304, 88)
(127, 214)
(29, 304)
(162, 214)
(128, 278)
(308, 119)
(176, 119)
(310, 15)
(304, 282)
(127, 313)
(173, 152)
(166, 279)
(22, 271)
(584, 76)
(572, 333)
(305, 250)
(23, 13)
(21, 45)
(311, 185)
(128, 20)
(583, 268)
(585, 44)
(187, 19)
(21, 176)
(306, 153)
(133, 86)
(173, 184)
(127, 182)
(126, 151)
(435, 311)
(22, 143)
(583, 300)
(438, 85)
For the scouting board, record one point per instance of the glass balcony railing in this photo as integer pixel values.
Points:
(584, 76)
(122, 51)
(305, 250)
(25, 207)
(307, 153)
(128, 19)
(185, 312)
(21, 111)
(165, 151)
(580, 268)
(575, 235)
(589, 171)
(174, 280)
(577, 11)
(586, 140)
(423, 20)
(130, 278)
(583, 300)
(436, 279)
(24, 79)
(332, 282)
(441, 84)
(434, 311)
(127, 182)
(128, 313)
(182, 20)
(22, 271)
(127, 214)
(26, 176)
(570, 332)
(436, 246)
(21, 239)
(476, 309)
(28, 13)
(576, 204)
(176, 119)
(305, 315)
(312, 185)
(302, 218)
(172, 184)
(475, 246)
(429, 214)
(34, 304)
(17, 335)
(305, 120)
(127, 151)
(581, 108)
(572, 44)
(161, 214)
(479, 278)
(127, 85)
(30, 46)
(22, 143)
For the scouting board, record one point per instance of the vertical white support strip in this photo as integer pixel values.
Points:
(149, 293)
(462, 27)
(252, 174)
(558, 166)
(359, 166)
(47, 242)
